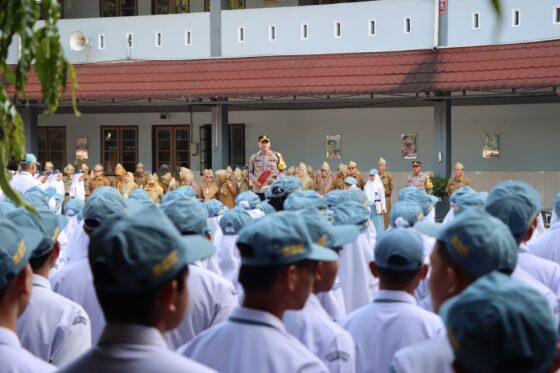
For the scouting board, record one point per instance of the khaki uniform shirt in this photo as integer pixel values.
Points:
(421, 181)
(387, 181)
(456, 183)
(227, 194)
(96, 182)
(359, 179)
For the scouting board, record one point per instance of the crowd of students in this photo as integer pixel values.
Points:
(298, 282)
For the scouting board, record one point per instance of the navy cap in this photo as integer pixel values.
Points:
(141, 196)
(352, 212)
(215, 208)
(248, 200)
(15, 249)
(356, 195)
(405, 213)
(189, 216)
(399, 249)
(305, 199)
(324, 234)
(233, 220)
(285, 186)
(332, 197)
(130, 253)
(460, 192)
(498, 325)
(279, 239)
(267, 207)
(468, 200)
(516, 203)
(476, 241)
(103, 202)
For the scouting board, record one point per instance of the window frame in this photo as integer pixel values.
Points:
(173, 146)
(120, 149)
(172, 8)
(304, 31)
(231, 128)
(516, 16)
(118, 10)
(48, 151)
(407, 25)
(372, 21)
(475, 17)
(556, 14)
(337, 29)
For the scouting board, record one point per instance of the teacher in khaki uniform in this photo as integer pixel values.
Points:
(459, 180)
(263, 161)
(419, 179)
(387, 181)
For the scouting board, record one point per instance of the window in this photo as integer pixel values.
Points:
(476, 20)
(52, 146)
(119, 145)
(371, 28)
(272, 33)
(158, 37)
(556, 15)
(515, 17)
(304, 31)
(241, 34)
(237, 145)
(171, 146)
(205, 147)
(230, 4)
(170, 6)
(337, 29)
(100, 41)
(407, 25)
(188, 37)
(118, 8)
(129, 40)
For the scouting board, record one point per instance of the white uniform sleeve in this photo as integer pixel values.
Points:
(340, 354)
(225, 304)
(73, 341)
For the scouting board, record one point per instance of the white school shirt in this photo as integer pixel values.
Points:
(314, 328)
(14, 358)
(547, 245)
(75, 282)
(391, 322)
(132, 348)
(252, 341)
(449, 216)
(52, 327)
(374, 191)
(229, 258)
(78, 243)
(433, 355)
(211, 301)
(358, 284)
(542, 270)
(24, 181)
(332, 301)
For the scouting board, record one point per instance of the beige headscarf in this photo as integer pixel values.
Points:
(128, 186)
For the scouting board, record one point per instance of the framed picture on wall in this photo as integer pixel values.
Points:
(333, 146)
(408, 146)
(491, 145)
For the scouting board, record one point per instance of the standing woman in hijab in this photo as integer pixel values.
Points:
(128, 185)
(77, 189)
(324, 180)
(209, 188)
(303, 176)
(55, 181)
(375, 194)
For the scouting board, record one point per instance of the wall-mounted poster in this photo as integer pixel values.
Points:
(333, 146)
(491, 144)
(408, 146)
(82, 148)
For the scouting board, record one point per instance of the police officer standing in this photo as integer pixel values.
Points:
(262, 161)
(419, 179)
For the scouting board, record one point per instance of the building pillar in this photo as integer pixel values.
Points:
(30, 117)
(220, 136)
(442, 138)
(443, 22)
(216, 7)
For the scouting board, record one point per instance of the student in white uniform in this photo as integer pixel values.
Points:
(393, 320)
(547, 245)
(250, 201)
(24, 180)
(52, 327)
(517, 204)
(357, 195)
(140, 266)
(277, 273)
(495, 325)
(469, 247)
(213, 298)
(312, 325)
(75, 280)
(16, 247)
(375, 193)
(357, 282)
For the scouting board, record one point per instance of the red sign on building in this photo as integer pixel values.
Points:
(442, 6)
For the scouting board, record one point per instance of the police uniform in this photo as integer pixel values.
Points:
(265, 161)
(387, 181)
(421, 181)
(52, 327)
(313, 327)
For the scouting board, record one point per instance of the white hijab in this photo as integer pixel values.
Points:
(78, 189)
(58, 185)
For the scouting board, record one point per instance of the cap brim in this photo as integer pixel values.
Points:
(343, 234)
(429, 229)
(197, 248)
(62, 221)
(322, 254)
(133, 206)
(32, 238)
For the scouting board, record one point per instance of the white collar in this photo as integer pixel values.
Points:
(256, 317)
(393, 296)
(132, 334)
(40, 281)
(8, 337)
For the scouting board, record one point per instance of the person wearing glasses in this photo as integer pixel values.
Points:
(265, 160)
(98, 179)
(419, 179)
(356, 174)
(459, 180)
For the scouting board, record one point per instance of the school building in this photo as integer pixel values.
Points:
(194, 83)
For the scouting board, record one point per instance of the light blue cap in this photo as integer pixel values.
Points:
(189, 216)
(248, 200)
(352, 212)
(233, 220)
(466, 201)
(408, 211)
(426, 201)
(284, 186)
(557, 204)
(186, 191)
(498, 325)
(103, 202)
(16, 247)
(74, 207)
(356, 195)
(407, 192)
(373, 172)
(324, 234)
(279, 239)
(30, 159)
(516, 203)
(267, 207)
(476, 241)
(130, 253)
(350, 180)
(133, 205)
(399, 249)
(267, 193)
(141, 196)
(460, 192)
(215, 208)
(305, 199)
(332, 197)
(39, 198)
(6, 207)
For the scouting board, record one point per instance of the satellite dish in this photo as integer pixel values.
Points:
(78, 41)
